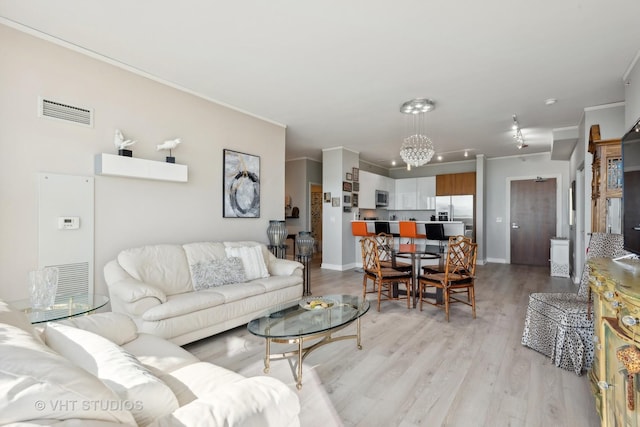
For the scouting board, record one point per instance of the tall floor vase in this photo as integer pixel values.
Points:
(304, 252)
(277, 234)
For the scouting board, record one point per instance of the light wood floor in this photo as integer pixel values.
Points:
(415, 369)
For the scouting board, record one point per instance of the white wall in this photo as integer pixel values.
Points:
(298, 174)
(498, 174)
(296, 187)
(128, 212)
(632, 94)
(338, 244)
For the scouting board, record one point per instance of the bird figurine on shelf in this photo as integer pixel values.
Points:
(122, 144)
(170, 145)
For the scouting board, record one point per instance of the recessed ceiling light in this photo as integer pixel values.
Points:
(550, 101)
(439, 158)
(393, 163)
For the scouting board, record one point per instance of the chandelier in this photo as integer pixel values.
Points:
(417, 148)
(517, 134)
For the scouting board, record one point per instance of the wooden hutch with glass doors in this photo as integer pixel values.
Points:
(606, 183)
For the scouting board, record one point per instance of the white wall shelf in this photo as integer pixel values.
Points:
(131, 167)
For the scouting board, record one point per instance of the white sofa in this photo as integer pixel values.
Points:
(98, 371)
(159, 287)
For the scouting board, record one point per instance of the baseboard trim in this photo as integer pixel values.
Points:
(338, 267)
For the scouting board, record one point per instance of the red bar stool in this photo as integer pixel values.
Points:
(409, 229)
(359, 228)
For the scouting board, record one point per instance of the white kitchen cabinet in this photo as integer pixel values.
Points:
(560, 257)
(426, 192)
(405, 197)
(367, 193)
(369, 183)
(389, 184)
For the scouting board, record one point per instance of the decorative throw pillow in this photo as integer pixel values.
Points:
(217, 272)
(142, 393)
(252, 259)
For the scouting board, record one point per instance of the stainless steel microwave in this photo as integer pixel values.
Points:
(382, 198)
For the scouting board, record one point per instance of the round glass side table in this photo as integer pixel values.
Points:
(66, 306)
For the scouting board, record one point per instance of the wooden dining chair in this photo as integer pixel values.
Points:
(458, 277)
(385, 253)
(383, 278)
(439, 268)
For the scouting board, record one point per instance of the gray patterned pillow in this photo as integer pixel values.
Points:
(217, 272)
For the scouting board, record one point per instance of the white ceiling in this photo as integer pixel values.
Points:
(335, 72)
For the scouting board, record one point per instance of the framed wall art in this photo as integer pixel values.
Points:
(327, 197)
(347, 199)
(354, 200)
(354, 173)
(335, 201)
(241, 185)
(356, 186)
(349, 176)
(346, 186)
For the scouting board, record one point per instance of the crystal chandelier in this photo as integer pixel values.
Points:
(417, 148)
(517, 134)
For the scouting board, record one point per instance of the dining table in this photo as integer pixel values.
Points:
(416, 252)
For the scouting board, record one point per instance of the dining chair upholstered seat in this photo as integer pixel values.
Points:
(457, 279)
(439, 268)
(560, 325)
(384, 278)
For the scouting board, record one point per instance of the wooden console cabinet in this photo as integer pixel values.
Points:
(616, 309)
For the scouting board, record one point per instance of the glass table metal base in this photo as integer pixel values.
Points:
(307, 327)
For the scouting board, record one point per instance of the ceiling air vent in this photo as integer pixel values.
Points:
(68, 113)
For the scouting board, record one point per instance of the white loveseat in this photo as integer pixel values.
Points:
(163, 288)
(98, 371)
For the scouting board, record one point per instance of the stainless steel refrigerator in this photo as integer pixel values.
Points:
(456, 208)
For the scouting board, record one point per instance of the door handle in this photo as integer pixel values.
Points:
(514, 225)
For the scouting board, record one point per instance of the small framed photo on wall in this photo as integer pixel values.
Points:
(346, 186)
(349, 176)
(354, 200)
(354, 173)
(327, 197)
(356, 186)
(335, 202)
(347, 199)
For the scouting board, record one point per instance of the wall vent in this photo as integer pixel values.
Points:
(65, 112)
(73, 278)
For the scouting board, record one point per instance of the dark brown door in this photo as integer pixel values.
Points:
(533, 220)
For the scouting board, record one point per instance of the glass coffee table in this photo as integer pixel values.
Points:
(310, 319)
(66, 306)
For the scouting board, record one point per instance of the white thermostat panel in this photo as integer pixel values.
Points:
(68, 223)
